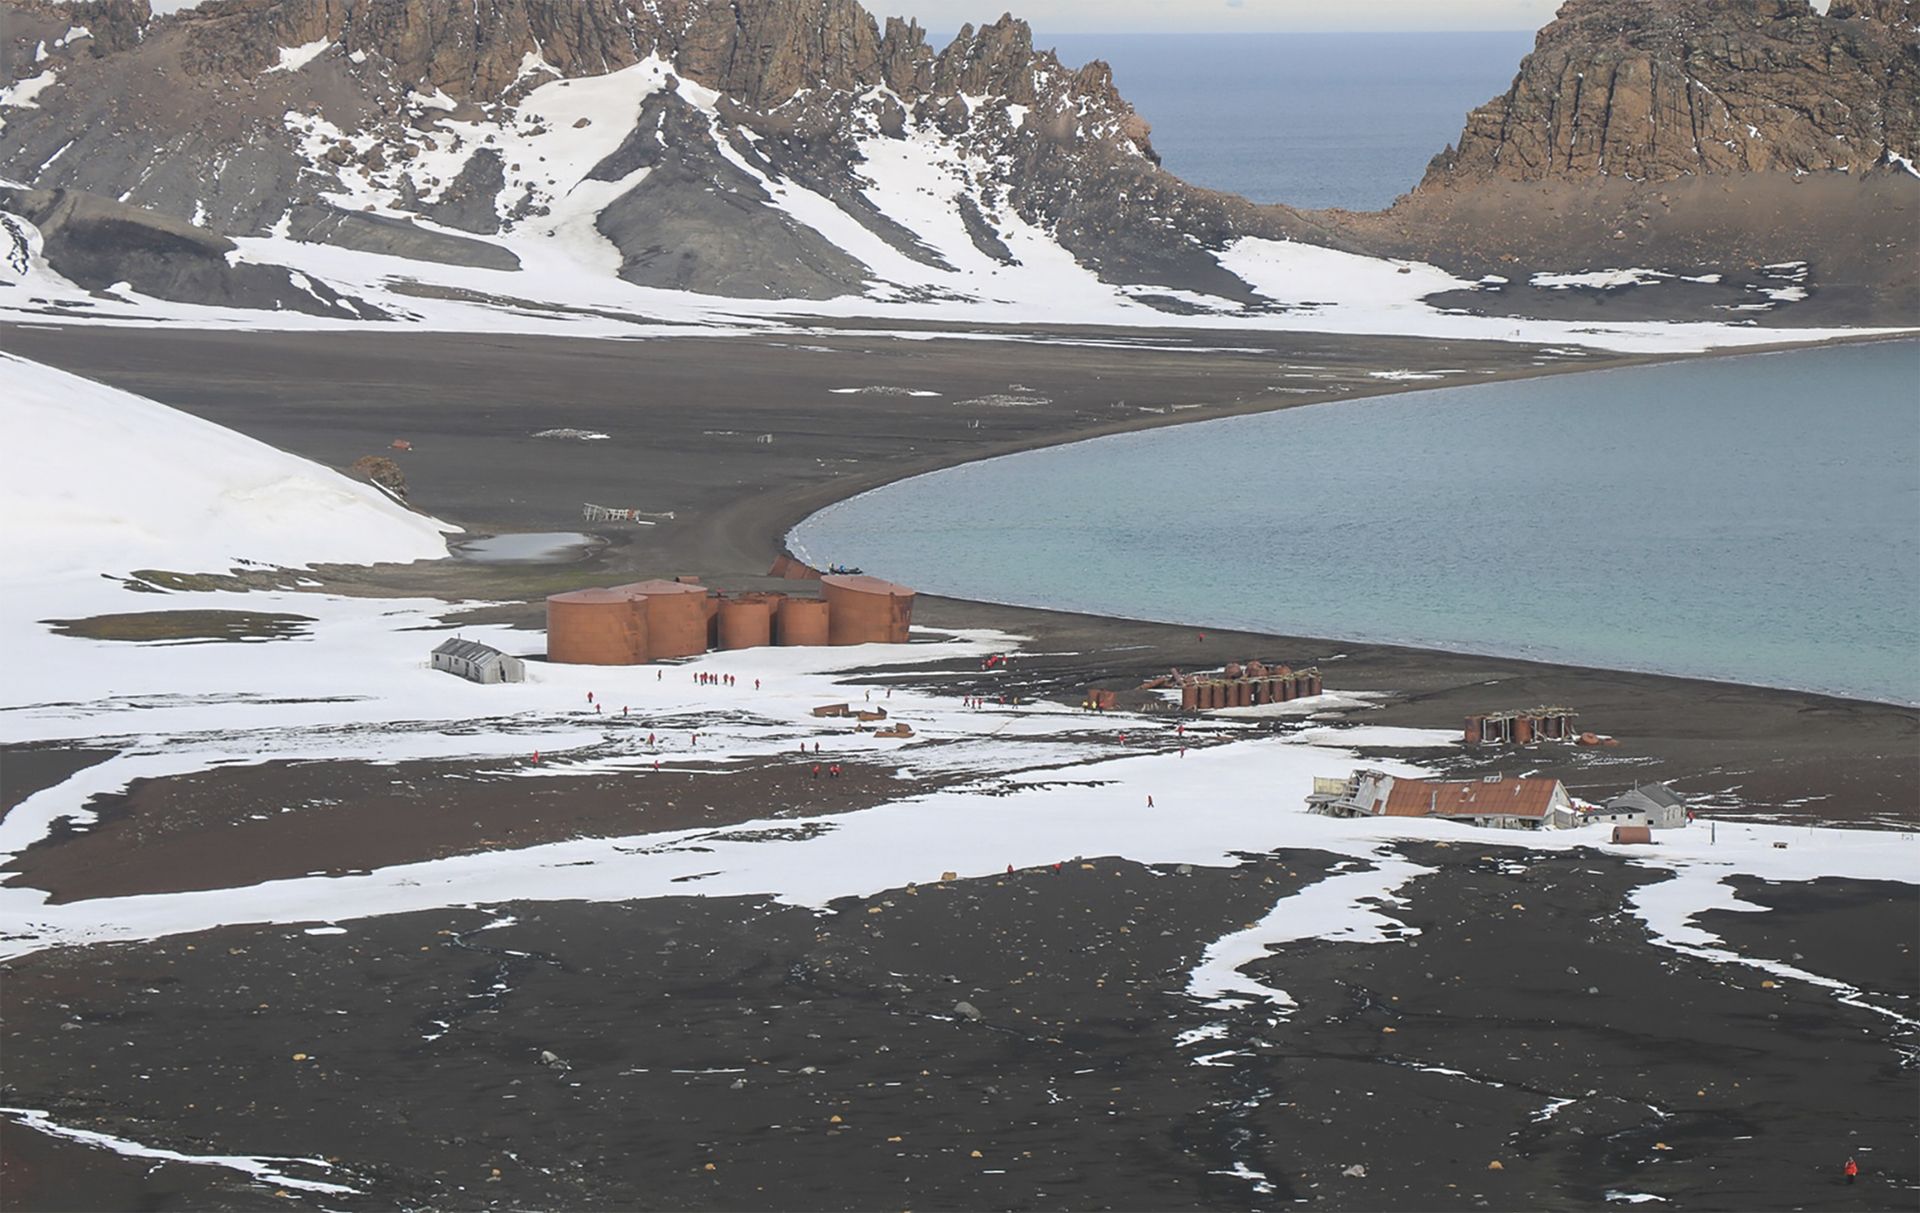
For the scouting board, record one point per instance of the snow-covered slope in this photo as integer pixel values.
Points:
(95, 480)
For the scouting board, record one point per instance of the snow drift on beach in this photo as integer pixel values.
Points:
(95, 480)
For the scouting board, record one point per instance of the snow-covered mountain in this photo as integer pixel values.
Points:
(582, 162)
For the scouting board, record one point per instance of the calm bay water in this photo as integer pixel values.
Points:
(1752, 519)
(1311, 120)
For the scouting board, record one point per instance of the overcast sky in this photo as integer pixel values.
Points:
(1229, 16)
(1206, 16)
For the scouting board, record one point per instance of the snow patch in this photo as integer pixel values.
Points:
(263, 1168)
(293, 58)
(95, 480)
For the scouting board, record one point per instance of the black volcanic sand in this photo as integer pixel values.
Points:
(233, 826)
(26, 770)
(1075, 1092)
(730, 1034)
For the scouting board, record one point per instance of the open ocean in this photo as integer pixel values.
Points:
(1749, 519)
(1311, 120)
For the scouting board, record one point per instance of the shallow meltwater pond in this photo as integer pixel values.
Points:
(542, 547)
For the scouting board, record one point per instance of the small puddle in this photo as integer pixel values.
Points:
(555, 547)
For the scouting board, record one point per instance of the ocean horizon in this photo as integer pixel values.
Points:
(1311, 120)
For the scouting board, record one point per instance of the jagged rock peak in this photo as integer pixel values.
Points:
(470, 49)
(1661, 89)
(759, 53)
(1901, 13)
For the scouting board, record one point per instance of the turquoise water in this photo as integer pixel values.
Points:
(1752, 519)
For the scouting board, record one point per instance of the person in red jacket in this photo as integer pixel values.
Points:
(1851, 1170)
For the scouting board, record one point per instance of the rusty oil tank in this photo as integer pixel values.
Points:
(1313, 682)
(596, 627)
(1242, 693)
(676, 617)
(1523, 730)
(867, 610)
(1473, 729)
(801, 621)
(1189, 697)
(746, 622)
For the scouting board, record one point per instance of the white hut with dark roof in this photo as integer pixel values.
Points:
(1654, 805)
(478, 662)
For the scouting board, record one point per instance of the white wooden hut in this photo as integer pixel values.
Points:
(477, 662)
(1654, 805)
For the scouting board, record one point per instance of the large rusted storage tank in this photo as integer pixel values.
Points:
(867, 610)
(801, 621)
(1313, 684)
(1523, 730)
(1189, 697)
(676, 617)
(596, 627)
(746, 622)
(1473, 729)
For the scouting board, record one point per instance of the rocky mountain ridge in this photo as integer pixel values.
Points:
(236, 113)
(1656, 90)
(802, 150)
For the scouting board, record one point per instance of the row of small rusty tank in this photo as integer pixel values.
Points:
(660, 620)
(1248, 686)
(1521, 727)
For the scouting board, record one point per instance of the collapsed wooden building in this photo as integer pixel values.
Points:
(1522, 727)
(1246, 686)
(1496, 801)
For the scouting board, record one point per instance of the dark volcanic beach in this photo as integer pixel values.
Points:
(745, 1053)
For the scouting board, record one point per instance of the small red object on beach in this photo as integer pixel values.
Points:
(401, 444)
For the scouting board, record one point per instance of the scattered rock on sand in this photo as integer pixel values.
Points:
(967, 1010)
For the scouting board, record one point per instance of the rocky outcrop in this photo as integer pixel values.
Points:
(100, 244)
(392, 237)
(1656, 90)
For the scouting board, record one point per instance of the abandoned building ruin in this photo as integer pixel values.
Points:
(1521, 727)
(1246, 686)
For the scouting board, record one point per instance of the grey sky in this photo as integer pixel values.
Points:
(1206, 16)
(1227, 16)
(1210, 16)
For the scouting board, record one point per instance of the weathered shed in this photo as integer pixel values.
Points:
(1654, 805)
(478, 662)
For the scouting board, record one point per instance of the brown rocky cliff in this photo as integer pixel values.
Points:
(29, 29)
(1656, 90)
(469, 49)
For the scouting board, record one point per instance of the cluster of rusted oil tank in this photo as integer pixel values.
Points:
(660, 620)
(1247, 686)
(1522, 727)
